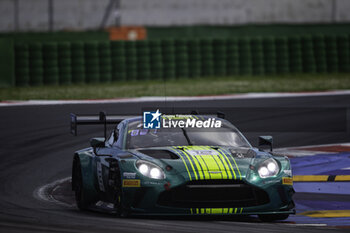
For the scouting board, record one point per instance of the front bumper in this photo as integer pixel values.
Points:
(208, 197)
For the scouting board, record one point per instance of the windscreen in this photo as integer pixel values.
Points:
(227, 135)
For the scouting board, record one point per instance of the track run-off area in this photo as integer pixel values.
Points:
(37, 149)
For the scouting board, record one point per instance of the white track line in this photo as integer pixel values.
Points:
(174, 98)
(305, 224)
(42, 193)
(320, 146)
(299, 151)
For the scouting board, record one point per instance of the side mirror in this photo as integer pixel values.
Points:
(97, 142)
(265, 141)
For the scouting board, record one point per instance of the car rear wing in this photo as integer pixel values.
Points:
(218, 114)
(100, 119)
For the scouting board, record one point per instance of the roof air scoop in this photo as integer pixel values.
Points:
(159, 154)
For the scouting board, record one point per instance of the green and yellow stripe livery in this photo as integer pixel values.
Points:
(205, 163)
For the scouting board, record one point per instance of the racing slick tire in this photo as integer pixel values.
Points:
(77, 184)
(117, 189)
(272, 217)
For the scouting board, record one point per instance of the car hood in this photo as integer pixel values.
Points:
(204, 162)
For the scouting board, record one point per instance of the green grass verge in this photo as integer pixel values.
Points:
(182, 87)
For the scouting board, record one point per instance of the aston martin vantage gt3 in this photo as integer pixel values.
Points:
(180, 171)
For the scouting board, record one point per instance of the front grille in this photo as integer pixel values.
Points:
(214, 194)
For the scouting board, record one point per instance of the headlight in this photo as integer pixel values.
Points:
(268, 168)
(150, 170)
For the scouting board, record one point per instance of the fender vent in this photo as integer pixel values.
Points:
(160, 154)
(243, 153)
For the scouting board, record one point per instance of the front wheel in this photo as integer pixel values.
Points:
(272, 217)
(114, 175)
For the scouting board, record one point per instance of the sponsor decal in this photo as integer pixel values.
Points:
(152, 183)
(131, 183)
(206, 211)
(215, 172)
(141, 132)
(155, 119)
(202, 152)
(135, 132)
(287, 180)
(129, 175)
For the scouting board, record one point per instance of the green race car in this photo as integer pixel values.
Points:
(180, 171)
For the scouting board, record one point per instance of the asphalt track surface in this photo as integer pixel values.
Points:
(36, 149)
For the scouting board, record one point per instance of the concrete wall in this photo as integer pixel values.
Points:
(191, 12)
(88, 14)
